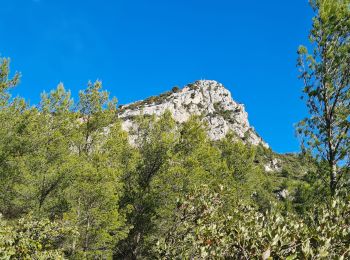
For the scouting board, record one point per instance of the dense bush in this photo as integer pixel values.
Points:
(204, 228)
(28, 238)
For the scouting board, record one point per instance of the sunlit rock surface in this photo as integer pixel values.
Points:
(207, 98)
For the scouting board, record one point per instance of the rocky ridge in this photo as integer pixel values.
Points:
(207, 98)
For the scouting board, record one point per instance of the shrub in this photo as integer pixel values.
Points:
(204, 229)
(226, 114)
(28, 238)
(175, 89)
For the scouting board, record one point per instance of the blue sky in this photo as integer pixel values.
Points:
(140, 48)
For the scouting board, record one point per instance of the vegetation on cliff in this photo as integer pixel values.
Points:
(74, 186)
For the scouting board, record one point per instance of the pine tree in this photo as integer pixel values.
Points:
(326, 77)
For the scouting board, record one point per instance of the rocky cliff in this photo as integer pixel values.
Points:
(207, 98)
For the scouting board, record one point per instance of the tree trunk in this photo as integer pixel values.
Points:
(333, 177)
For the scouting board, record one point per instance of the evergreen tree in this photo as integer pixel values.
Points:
(95, 187)
(6, 82)
(326, 77)
(154, 140)
(248, 181)
(14, 119)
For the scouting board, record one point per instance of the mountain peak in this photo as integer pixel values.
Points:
(208, 98)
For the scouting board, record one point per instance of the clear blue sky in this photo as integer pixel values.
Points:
(140, 48)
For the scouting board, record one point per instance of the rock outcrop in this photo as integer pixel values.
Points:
(207, 98)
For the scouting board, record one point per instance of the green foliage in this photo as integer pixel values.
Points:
(193, 86)
(204, 229)
(248, 180)
(226, 114)
(239, 157)
(75, 185)
(6, 83)
(151, 100)
(95, 183)
(326, 77)
(155, 141)
(28, 238)
(66, 164)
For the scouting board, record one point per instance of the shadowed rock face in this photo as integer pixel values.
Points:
(207, 98)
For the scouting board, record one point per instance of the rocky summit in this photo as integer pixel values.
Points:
(206, 98)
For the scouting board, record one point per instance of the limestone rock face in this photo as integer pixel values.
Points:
(207, 98)
(275, 165)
